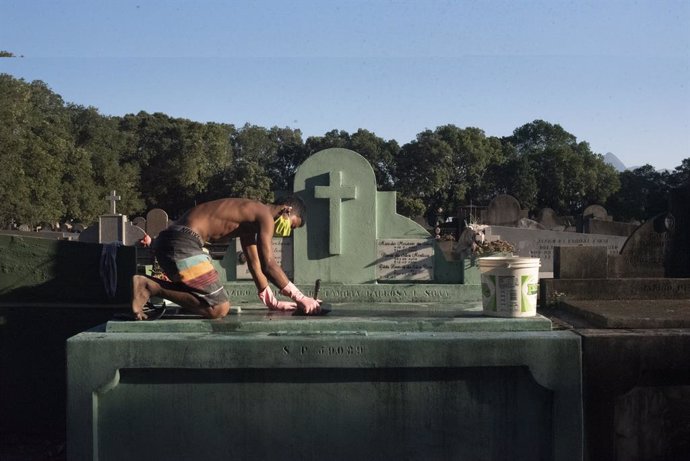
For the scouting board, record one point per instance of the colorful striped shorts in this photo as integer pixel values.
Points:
(179, 251)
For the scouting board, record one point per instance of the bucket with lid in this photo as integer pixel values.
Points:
(509, 285)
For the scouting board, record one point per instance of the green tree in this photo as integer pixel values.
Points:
(568, 174)
(254, 149)
(178, 159)
(423, 174)
(472, 155)
(36, 146)
(379, 152)
(289, 153)
(111, 166)
(217, 145)
(512, 176)
(642, 195)
(681, 174)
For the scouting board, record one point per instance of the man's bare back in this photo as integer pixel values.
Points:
(225, 218)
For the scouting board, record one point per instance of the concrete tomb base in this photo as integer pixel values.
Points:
(364, 382)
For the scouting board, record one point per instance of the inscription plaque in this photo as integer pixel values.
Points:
(404, 259)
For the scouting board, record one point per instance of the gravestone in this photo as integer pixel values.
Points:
(596, 220)
(111, 226)
(353, 234)
(139, 221)
(535, 243)
(580, 262)
(548, 218)
(644, 251)
(156, 221)
(504, 210)
(596, 212)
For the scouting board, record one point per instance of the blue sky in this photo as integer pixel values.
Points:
(613, 73)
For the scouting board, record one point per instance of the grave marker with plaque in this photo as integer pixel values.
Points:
(405, 259)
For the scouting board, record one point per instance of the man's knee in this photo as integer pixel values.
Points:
(219, 310)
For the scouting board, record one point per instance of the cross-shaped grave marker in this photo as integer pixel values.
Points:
(113, 198)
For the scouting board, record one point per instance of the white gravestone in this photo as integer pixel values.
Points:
(404, 259)
(534, 243)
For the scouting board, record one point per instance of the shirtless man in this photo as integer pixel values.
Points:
(195, 284)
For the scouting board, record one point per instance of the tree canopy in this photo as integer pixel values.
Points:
(60, 160)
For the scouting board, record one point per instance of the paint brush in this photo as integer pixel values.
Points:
(325, 308)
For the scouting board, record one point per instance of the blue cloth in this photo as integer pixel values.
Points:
(108, 268)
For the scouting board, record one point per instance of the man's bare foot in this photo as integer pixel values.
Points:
(140, 295)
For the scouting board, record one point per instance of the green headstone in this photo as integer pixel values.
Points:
(345, 219)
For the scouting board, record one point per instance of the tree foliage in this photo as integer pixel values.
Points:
(60, 160)
(643, 194)
(379, 152)
(568, 175)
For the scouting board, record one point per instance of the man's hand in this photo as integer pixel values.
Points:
(304, 303)
(268, 298)
(309, 305)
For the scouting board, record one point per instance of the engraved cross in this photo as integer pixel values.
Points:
(336, 193)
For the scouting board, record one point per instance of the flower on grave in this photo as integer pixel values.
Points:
(494, 246)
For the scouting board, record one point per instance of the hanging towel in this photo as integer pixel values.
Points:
(108, 268)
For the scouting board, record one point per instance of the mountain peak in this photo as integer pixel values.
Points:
(614, 161)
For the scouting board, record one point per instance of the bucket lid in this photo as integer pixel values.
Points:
(509, 262)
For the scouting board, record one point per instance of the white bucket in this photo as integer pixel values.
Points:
(509, 285)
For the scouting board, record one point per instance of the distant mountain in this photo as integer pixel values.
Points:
(615, 161)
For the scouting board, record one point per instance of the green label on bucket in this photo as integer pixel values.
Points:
(527, 289)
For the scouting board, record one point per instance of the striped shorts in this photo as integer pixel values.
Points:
(179, 251)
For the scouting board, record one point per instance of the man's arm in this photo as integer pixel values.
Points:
(272, 269)
(254, 265)
(264, 246)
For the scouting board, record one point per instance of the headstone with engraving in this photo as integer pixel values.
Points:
(534, 243)
(643, 253)
(353, 233)
(111, 226)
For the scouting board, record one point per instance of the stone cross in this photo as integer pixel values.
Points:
(336, 193)
(113, 198)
